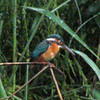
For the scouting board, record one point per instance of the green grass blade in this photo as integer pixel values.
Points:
(27, 77)
(80, 17)
(1, 26)
(61, 5)
(27, 54)
(14, 30)
(89, 62)
(14, 6)
(79, 13)
(87, 21)
(61, 23)
(2, 90)
(16, 98)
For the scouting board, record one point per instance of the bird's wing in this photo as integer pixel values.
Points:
(39, 50)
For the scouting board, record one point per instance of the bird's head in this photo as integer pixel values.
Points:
(55, 38)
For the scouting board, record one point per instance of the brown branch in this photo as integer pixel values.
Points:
(26, 83)
(58, 70)
(31, 63)
(21, 63)
(56, 84)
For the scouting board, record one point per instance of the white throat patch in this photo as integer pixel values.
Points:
(59, 46)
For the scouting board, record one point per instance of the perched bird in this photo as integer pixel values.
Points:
(48, 49)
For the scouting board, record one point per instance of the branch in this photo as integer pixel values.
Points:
(21, 63)
(58, 70)
(31, 63)
(56, 84)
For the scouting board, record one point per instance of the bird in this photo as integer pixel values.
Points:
(49, 48)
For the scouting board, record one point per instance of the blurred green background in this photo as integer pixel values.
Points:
(25, 23)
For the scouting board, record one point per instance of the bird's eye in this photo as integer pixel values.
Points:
(60, 42)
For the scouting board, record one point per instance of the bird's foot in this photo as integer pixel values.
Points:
(51, 65)
(43, 62)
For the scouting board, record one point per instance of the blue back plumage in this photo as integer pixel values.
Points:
(39, 50)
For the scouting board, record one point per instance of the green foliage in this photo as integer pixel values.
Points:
(25, 23)
(90, 62)
(2, 90)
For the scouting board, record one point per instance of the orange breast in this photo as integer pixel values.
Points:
(50, 53)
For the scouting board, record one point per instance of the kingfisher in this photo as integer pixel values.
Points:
(48, 49)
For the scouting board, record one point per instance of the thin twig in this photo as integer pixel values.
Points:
(26, 83)
(58, 70)
(56, 84)
(30, 63)
(21, 63)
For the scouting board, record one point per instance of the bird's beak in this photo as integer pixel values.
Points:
(67, 49)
